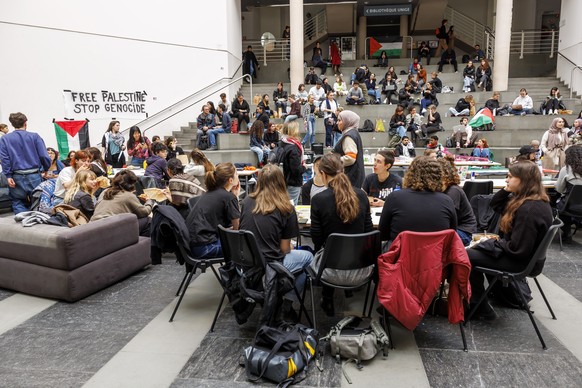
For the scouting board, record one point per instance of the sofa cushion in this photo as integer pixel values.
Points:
(67, 248)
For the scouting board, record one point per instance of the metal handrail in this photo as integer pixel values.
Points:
(316, 25)
(411, 43)
(466, 29)
(578, 67)
(275, 51)
(534, 42)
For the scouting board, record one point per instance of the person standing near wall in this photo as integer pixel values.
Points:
(23, 154)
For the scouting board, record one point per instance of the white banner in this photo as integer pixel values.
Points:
(105, 104)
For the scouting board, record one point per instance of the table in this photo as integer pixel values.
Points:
(405, 162)
(304, 216)
(500, 183)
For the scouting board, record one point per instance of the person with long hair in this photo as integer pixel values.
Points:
(336, 57)
(201, 165)
(98, 165)
(218, 206)
(552, 103)
(341, 208)
(526, 216)
(553, 144)
(421, 205)
(293, 164)
(120, 199)
(173, 149)
(570, 175)
(466, 222)
(398, 122)
(138, 147)
(268, 213)
(483, 74)
(349, 147)
(280, 97)
(469, 77)
(182, 186)
(339, 87)
(81, 194)
(113, 143)
(81, 161)
(481, 149)
(56, 165)
(257, 144)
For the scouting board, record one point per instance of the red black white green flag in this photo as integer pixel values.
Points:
(72, 135)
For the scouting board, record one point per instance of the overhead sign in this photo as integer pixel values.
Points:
(388, 10)
(105, 104)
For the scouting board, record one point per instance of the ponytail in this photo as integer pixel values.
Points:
(220, 176)
(346, 200)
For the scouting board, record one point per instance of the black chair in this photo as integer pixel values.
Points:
(472, 188)
(240, 247)
(348, 252)
(572, 207)
(533, 269)
(192, 264)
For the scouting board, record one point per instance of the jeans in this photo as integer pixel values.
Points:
(137, 161)
(336, 137)
(294, 192)
(329, 135)
(352, 101)
(211, 250)
(467, 82)
(375, 93)
(291, 118)
(524, 111)
(465, 237)
(454, 112)
(212, 135)
(261, 152)
(401, 131)
(21, 194)
(310, 134)
(296, 260)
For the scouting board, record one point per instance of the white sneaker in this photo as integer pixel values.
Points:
(385, 100)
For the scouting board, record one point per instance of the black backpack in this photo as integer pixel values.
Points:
(368, 126)
(276, 155)
(204, 143)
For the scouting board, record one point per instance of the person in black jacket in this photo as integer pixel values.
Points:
(436, 82)
(469, 77)
(293, 166)
(526, 216)
(240, 110)
(349, 147)
(443, 37)
(405, 148)
(329, 215)
(250, 63)
(463, 106)
(449, 57)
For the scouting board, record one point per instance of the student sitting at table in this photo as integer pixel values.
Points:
(381, 183)
(200, 166)
(182, 186)
(268, 213)
(157, 166)
(421, 205)
(466, 222)
(481, 149)
(81, 193)
(120, 199)
(218, 206)
(80, 161)
(313, 186)
(340, 208)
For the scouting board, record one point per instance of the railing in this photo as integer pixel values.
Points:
(273, 51)
(466, 29)
(489, 42)
(575, 67)
(315, 27)
(164, 114)
(534, 42)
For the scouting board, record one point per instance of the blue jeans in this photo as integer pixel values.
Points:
(294, 192)
(352, 101)
(297, 260)
(212, 135)
(310, 135)
(261, 152)
(336, 137)
(401, 131)
(209, 251)
(375, 93)
(290, 118)
(137, 161)
(465, 237)
(21, 194)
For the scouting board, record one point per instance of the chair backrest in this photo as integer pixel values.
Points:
(472, 188)
(240, 247)
(573, 204)
(536, 264)
(192, 202)
(350, 251)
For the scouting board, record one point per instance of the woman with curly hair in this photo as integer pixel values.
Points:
(340, 208)
(421, 205)
(526, 216)
(466, 222)
(570, 176)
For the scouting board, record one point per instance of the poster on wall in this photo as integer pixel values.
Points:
(105, 104)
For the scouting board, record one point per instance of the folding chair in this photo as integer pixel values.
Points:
(572, 208)
(533, 269)
(472, 188)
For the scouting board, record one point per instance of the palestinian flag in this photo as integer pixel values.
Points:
(71, 136)
(393, 49)
(484, 116)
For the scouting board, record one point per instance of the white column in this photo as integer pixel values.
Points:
(296, 41)
(503, 18)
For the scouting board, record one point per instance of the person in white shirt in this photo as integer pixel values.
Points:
(459, 130)
(318, 93)
(330, 107)
(224, 100)
(524, 101)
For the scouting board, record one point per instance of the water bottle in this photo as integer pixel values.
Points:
(366, 156)
(472, 175)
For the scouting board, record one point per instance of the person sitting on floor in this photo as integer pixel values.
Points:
(464, 106)
(318, 93)
(449, 57)
(355, 95)
(463, 129)
(204, 122)
(481, 149)
(257, 143)
(381, 183)
(522, 105)
(311, 78)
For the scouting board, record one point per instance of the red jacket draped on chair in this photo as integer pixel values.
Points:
(411, 271)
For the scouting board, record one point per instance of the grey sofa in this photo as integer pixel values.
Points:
(70, 264)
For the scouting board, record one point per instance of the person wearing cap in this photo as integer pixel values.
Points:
(526, 153)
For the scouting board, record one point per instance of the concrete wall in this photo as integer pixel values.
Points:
(477, 10)
(111, 45)
(570, 44)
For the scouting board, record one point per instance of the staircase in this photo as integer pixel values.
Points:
(510, 134)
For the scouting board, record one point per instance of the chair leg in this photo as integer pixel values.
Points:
(372, 299)
(387, 327)
(302, 307)
(545, 299)
(303, 299)
(524, 302)
(366, 299)
(312, 302)
(183, 293)
(483, 297)
(463, 336)
(182, 284)
(217, 312)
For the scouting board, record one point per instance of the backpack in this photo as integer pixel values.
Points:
(368, 126)
(437, 32)
(204, 143)
(276, 155)
(449, 143)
